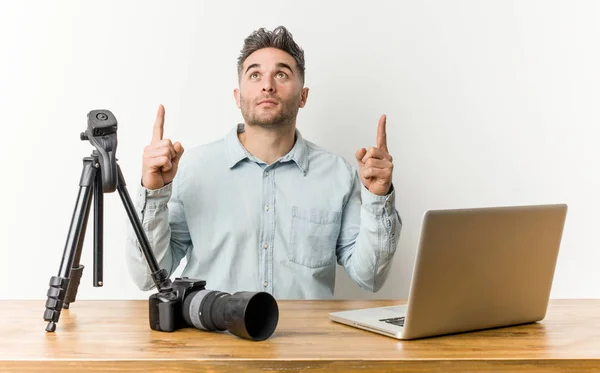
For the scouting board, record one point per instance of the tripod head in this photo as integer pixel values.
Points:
(101, 132)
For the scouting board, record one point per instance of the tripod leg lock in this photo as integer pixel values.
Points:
(56, 295)
(74, 280)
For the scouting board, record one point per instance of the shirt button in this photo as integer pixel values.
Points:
(265, 284)
(265, 246)
(266, 207)
(267, 173)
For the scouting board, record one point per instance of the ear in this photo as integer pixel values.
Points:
(304, 97)
(236, 95)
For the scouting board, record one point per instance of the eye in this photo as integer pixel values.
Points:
(281, 75)
(254, 75)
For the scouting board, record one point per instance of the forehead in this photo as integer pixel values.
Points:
(269, 57)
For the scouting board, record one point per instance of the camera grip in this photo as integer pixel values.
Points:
(163, 313)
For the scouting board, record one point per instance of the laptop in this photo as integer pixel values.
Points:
(475, 269)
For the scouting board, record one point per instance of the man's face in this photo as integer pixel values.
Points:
(271, 91)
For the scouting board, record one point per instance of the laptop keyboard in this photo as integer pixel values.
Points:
(394, 320)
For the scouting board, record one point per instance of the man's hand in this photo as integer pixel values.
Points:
(161, 157)
(375, 165)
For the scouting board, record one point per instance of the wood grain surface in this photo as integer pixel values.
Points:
(114, 336)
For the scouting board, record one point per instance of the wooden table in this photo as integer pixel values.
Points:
(114, 336)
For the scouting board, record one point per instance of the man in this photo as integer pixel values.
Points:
(264, 209)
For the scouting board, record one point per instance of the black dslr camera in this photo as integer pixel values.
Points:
(189, 304)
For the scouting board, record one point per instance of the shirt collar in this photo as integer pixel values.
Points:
(236, 151)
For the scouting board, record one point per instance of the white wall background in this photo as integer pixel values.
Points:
(488, 103)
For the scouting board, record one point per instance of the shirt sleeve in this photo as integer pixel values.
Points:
(162, 216)
(369, 235)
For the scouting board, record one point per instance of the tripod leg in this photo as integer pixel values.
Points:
(76, 268)
(98, 229)
(59, 284)
(159, 276)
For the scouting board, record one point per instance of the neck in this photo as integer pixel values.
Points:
(268, 144)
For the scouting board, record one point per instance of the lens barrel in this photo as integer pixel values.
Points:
(245, 314)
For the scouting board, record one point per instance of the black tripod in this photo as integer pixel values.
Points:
(101, 174)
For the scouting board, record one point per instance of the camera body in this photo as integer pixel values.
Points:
(166, 307)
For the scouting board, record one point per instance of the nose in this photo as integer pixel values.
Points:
(268, 85)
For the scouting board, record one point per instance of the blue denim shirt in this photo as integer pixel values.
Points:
(243, 225)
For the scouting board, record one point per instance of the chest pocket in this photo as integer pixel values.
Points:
(313, 237)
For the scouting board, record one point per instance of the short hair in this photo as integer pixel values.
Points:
(279, 38)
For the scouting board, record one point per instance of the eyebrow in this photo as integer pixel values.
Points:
(285, 66)
(279, 65)
(251, 67)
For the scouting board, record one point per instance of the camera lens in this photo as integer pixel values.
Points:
(245, 314)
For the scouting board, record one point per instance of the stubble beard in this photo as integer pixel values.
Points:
(285, 117)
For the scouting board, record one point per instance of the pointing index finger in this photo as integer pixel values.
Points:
(381, 134)
(159, 124)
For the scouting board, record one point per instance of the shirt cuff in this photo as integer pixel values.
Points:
(376, 204)
(152, 199)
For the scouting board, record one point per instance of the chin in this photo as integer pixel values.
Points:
(266, 120)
